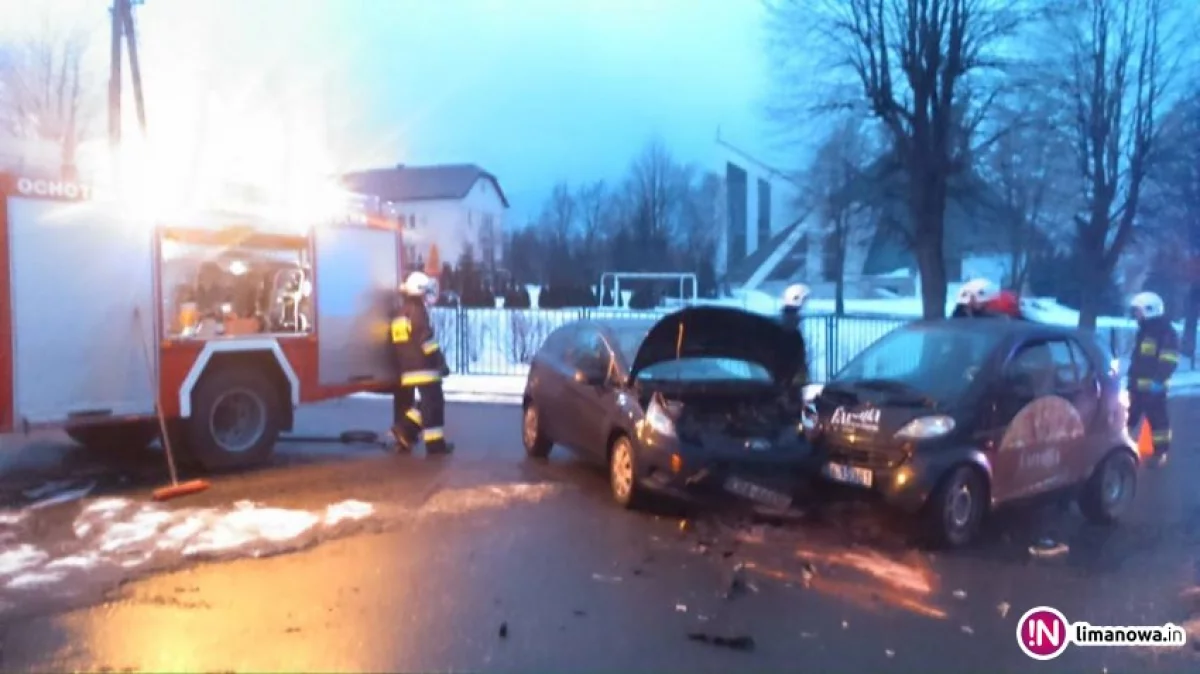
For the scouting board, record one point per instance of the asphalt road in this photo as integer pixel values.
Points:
(486, 561)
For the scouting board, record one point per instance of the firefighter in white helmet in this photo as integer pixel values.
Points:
(794, 297)
(1154, 359)
(973, 298)
(421, 365)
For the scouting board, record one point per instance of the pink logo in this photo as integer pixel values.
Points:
(1042, 633)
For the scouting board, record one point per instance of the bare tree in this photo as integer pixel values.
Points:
(913, 62)
(43, 93)
(1171, 201)
(560, 214)
(1028, 171)
(657, 185)
(835, 183)
(1113, 76)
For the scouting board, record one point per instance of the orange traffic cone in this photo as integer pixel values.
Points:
(1145, 441)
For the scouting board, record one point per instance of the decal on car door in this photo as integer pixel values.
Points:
(1048, 421)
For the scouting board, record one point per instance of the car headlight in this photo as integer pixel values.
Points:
(924, 428)
(810, 392)
(659, 420)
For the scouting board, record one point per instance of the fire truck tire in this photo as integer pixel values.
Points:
(237, 413)
(125, 436)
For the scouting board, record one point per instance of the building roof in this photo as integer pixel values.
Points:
(421, 183)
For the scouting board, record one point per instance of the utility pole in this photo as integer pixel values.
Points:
(123, 31)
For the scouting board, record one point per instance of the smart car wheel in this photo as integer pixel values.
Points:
(622, 473)
(955, 509)
(537, 445)
(1111, 489)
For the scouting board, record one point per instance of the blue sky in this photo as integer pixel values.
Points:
(534, 90)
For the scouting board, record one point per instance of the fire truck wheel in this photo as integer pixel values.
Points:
(236, 417)
(125, 436)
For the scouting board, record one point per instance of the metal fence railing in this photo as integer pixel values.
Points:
(503, 341)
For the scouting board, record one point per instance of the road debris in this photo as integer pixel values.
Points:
(685, 526)
(601, 578)
(1048, 548)
(738, 643)
(681, 608)
(966, 629)
(807, 573)
(890, 653)
(754, 534)
(845, 624)
(1003, 607)
(960, 594)
(504, 630)
(737, 581)
(54, 494)
(808, 635)
(580, 613)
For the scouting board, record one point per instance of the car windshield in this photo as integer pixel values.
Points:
(937, 363)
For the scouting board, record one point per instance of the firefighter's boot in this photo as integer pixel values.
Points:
(438, 447)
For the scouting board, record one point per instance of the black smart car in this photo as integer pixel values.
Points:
(703, 402)
(953, 418)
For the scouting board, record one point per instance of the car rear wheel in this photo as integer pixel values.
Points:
(537, 445)
(622, 473)
(1109, 492)
(956, 508)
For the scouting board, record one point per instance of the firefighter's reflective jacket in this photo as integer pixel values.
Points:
(418, 355)
(1155, 356)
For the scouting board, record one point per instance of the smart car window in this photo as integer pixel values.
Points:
(1083, 364)
(1066, 374)
(589, 348)
(1032, 369)
(941, 363)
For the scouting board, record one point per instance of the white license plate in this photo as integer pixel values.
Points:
(849, 474)
(754, 492)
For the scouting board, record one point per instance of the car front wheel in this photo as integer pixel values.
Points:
(1109, 492)
(956, 508)
(537, 445)
(622, 473)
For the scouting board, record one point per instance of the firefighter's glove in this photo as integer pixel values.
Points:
(1156, 388)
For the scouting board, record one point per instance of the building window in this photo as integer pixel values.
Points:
(764, 211)
(736, 189)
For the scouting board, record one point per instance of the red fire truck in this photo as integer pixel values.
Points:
(226, 321)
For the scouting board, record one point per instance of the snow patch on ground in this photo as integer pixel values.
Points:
(112, 538)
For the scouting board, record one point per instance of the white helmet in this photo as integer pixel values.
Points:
(1148, 305)
(795, 295)
(977, 291)
(417, 285)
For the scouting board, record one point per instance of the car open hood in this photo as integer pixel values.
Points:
(719, 332)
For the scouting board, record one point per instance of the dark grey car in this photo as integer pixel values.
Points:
(695, 405)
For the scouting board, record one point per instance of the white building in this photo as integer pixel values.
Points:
(452, 206)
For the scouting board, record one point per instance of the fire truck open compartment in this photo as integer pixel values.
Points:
(234, 283)
(78, 272)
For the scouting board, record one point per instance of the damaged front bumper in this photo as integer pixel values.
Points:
(766, 480)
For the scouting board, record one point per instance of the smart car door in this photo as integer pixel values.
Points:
(1080, 382)
(1022, 461)
(552, 370)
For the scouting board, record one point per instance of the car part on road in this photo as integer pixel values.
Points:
(236, 417)
(176, 488)
(738, 643)
(955, 511)
(622, 473)
(352, 437)
(1111, 489)
(537, 445)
